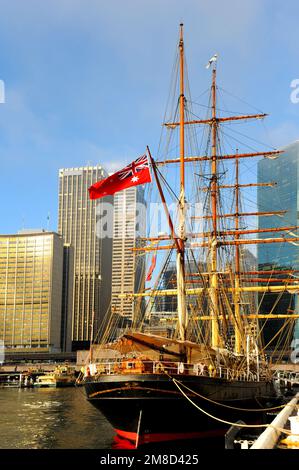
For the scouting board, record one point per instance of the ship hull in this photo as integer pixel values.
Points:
(151, 408)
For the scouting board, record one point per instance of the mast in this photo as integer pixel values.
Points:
(238, 338)
(214, 304)
(215, 238)
(180, 260)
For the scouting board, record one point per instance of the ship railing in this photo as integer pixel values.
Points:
(173, 368)
(141, 366)
(233, 374)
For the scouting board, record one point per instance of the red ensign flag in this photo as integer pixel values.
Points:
(134, 174)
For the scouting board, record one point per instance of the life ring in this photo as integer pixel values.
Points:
(160, 367)
(181, 367)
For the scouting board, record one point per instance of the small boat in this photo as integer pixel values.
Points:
(62, 376)
(9, 380)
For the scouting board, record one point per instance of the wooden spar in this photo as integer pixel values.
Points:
(272, 271)
(255, 316)
(154, 248)
(224, 233)
(238, 335)
(266, 280)
(291, 289)
(251, 273)
(242, 214)
(219, 119)
(259, 240)
(258, 230)
(247, 242)
(220, 157)
(254, 280)
(247, 273)
(250, 317)
(180, 259)
(170, 223)
(261, 316)
(271, 184)
(223, 243)
(214, 300)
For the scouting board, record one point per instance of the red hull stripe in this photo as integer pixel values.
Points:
(160, 437)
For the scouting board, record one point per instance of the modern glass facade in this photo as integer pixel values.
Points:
(30, 291)
(283, 195)
(78, 224)
(127, 266)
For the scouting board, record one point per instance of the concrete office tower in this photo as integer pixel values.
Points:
(284, 171)
(79, 225)
(127, 266)
(31, 291)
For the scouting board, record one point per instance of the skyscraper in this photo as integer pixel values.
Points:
(284, 195)
(67, 296)
(127, 266)
(31, 291)
(79, 225)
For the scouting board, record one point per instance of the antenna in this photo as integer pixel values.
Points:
(48, 222)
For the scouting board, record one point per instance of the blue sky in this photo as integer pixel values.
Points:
(87, 81)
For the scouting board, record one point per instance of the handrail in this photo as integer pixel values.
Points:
(138, 366)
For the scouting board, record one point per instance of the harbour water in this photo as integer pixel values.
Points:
(51, 419)
(63, 419)
(60, 418)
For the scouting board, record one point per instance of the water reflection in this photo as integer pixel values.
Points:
(51, 419)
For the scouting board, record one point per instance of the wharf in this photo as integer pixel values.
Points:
(27, 375)
(33, 366)
(274, 437)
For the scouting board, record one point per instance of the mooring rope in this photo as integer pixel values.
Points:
(227, 406)
(285, 431)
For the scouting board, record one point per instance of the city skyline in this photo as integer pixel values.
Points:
(65, 77)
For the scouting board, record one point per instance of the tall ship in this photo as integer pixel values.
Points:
(193, 370)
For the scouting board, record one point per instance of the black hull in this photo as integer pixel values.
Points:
(150, 408)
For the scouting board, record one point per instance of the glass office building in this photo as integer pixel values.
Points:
(79, 223)
(31, 291)
(282, 195)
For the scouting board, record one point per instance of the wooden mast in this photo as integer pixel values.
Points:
(238, 336)
(214, 298)
(180, 261)
(216, 236)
